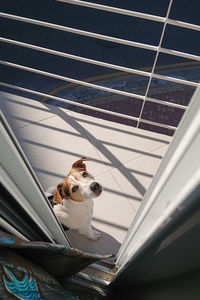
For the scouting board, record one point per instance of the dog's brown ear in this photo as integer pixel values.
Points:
(57, 198)
(79, 163)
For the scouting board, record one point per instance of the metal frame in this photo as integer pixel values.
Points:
(18, 178)
(177, 177)
(8, 228)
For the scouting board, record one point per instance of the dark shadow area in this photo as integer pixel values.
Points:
(106, 243)
(110, 224)
(183, 287)
(172, 253)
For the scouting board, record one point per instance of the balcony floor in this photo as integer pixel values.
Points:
(123, 159)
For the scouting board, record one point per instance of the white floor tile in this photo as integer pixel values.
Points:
(135, 176)
(112, 211)
(118, 144)
(52, 146)
(20, 111)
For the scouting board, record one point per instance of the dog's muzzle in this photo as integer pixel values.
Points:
(96, 188)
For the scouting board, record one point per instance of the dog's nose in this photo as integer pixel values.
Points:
(96, 187)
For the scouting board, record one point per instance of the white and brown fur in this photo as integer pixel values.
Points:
(74, 200)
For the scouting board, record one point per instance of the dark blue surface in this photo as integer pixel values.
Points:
(125, 27)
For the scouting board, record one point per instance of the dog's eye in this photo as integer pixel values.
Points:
(67, 193)
(84, 174)
(75, 188)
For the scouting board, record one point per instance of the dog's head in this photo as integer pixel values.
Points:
(78, 185)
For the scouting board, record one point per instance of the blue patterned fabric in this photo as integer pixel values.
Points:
(29, 270)
(26, 288)
(58, 260)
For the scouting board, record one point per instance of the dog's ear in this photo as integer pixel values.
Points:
(79, 163)
(57, 198)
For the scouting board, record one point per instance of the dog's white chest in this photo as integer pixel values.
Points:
(74, 214)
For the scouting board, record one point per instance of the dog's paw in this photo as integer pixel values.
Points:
(90, 233)
(96, 235)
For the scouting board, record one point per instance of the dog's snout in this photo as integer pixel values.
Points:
(96, 187)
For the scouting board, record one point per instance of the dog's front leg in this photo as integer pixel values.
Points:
(61, 215)
(89, 232)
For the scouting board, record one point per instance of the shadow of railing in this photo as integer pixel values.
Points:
(140, 135)
(81, 136)
(98, 144)
(82, 132)
(61, 176)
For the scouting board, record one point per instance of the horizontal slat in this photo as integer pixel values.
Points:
(163, 102)
(116, 67)
(100, 36)
(83, 105)
(67, 101)
(9, 64)
(78, 31)
(111, 39)
(179, 53)
(132, 14)
(174, 79)
(115, 10)
(74, 57)
(69, 79)
(183, 24)
(158, 124)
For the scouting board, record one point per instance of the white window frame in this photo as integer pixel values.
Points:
(177, 176)
(19, 179)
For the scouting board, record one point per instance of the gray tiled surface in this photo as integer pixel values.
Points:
(124, 159)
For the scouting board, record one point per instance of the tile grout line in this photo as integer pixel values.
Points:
(93, 145)
(110, 171)
(33, 123)
(151, 180)
(110, 168)
(109, 127)
(99, 152)
(140, 155)
(107, 171)
(123, 192)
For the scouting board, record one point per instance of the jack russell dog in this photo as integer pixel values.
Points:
(74, 200)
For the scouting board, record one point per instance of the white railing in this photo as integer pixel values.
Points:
(150, 75)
